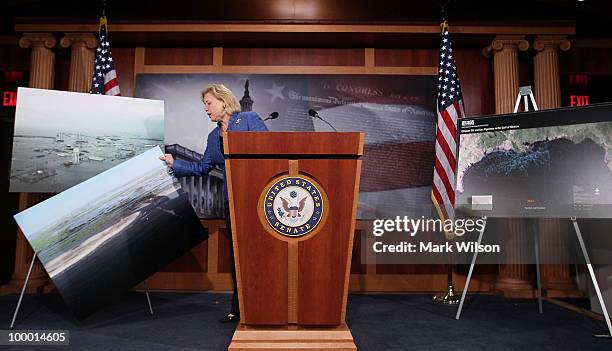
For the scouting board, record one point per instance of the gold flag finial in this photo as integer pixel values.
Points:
(443, 26)
(103, 22)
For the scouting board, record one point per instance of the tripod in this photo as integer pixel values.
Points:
(525, 92)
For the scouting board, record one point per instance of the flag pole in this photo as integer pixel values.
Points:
(448, 297)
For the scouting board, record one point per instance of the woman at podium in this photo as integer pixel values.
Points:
(221, 107)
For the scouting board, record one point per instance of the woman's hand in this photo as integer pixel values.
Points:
(168, 158)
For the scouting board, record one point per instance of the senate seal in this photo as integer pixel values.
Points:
(293, 206)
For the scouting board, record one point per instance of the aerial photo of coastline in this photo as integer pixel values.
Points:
(556, 171)
(63, 138)
(100, 238)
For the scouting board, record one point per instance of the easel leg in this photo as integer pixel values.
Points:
(25, 284)
(517, 103)
(593, 279)
(469, 276)
(148, 298)
(536, 238)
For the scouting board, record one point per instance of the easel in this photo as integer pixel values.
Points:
(25, 284)
(525, 93)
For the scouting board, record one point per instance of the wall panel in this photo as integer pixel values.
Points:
(179, 56)
(477, 85)
(293, 57)
(124, 65)
(406, 58)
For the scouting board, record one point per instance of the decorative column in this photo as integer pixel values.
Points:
(81, 60)
(547, 87)
(556, 278)
(504, 49)
(42, 59)
(42, 74)
(513, 279)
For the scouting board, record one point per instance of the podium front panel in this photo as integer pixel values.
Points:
(293, 220)
(262, 278)
(323, 258)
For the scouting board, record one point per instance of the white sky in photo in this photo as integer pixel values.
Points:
(51, 111)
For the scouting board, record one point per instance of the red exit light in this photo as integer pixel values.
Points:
(579, 100)
(578, 80)
(9, 98)
(13, 76)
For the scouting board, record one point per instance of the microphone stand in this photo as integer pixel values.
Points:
(335, 130)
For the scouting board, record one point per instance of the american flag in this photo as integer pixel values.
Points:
(449, 109)
(104, 80)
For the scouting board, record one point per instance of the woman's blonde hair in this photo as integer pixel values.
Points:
(221, 92)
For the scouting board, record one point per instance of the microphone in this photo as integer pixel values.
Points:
(314, 114)
(273, 115)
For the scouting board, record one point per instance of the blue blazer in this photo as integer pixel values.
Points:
(238, 122)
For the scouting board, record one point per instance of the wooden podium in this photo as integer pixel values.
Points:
(293, 199)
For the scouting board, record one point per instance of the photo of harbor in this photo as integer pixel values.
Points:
(100, 238)
(63, 138)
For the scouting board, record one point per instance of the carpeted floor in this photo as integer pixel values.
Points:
(185, 321)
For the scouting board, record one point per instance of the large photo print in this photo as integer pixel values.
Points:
(63, 138)
(395, 112)
(550, 163)
(100, 238)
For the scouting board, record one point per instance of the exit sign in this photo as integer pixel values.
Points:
(9, 99)
(579, 100)
(579, 89)
(9, 82)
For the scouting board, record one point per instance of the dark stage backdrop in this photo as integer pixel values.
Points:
(395, 112)
(8, 205)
